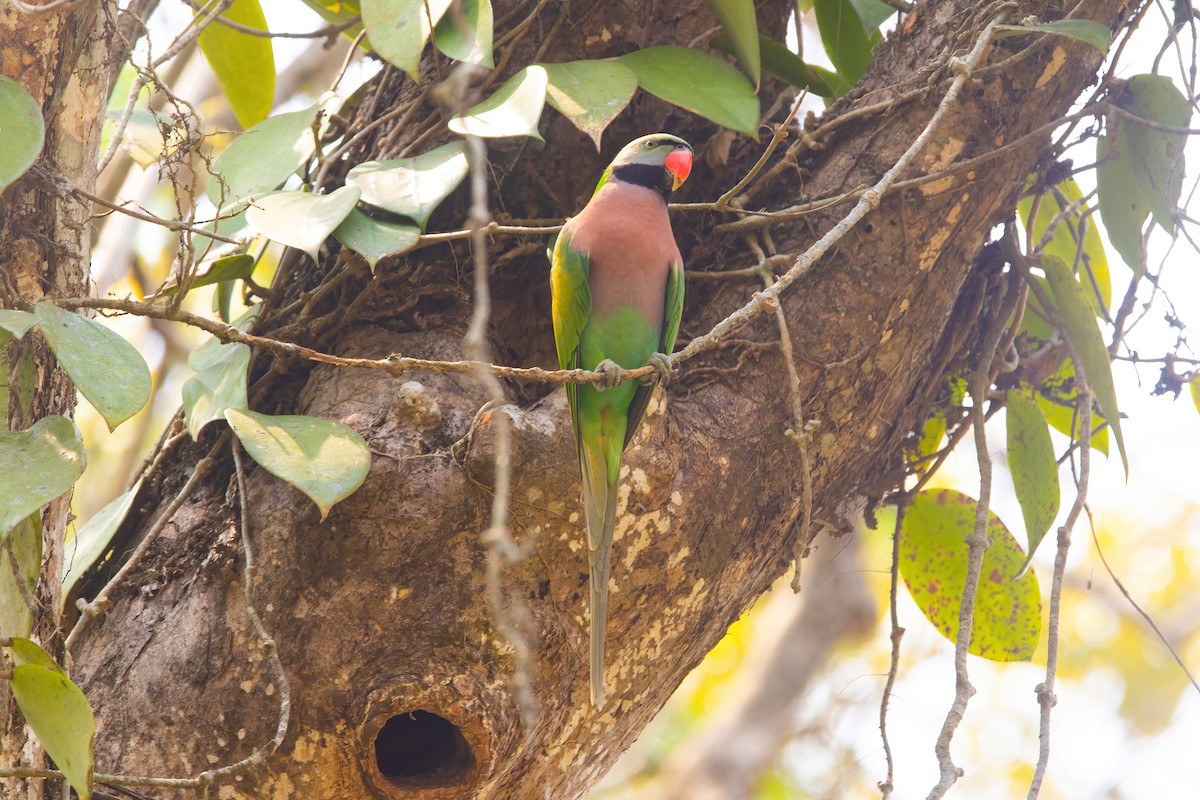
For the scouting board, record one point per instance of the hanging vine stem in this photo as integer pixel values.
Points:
(886, 787)
(502, 551)
(977, 542)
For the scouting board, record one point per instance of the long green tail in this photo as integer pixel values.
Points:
(600, 505)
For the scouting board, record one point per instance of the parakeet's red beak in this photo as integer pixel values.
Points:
(679, 164)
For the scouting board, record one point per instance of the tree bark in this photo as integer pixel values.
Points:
(400, 681)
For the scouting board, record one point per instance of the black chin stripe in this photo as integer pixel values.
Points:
(647, 175)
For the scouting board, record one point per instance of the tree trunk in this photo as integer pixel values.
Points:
(399, 678)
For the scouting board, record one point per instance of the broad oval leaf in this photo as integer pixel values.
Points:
(590, 93)
(790, 68)
(37, 466)
(1081, 327)
(412, 187)
(27, 651)
(698, 82)
(739, 21)
(844, 36)
(265, 156)
(399, 29)
(1033, 466)
(514, 110)
(19, 576)
(1064, 241)
(1058, 402)
(1094, 33)
(301, 219)
(324, 459)
(24, 131)
(219, 385)
(61, 719)
(92, 540)
(105, 368)
(16, 322)
(1154, 153)
(933, 563)
(1122, 207)
(467, 36)
(376, 239)
(243, 63)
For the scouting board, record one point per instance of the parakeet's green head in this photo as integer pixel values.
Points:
(659, 161)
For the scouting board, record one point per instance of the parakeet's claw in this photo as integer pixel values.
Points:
(610, 372)
(663, 371)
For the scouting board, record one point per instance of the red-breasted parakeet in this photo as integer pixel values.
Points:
(616, 277)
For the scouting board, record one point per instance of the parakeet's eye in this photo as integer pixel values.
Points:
(650, 144)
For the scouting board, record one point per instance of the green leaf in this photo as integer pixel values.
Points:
(1081, 325)
(1064, 241)
(514, 110)
(23, 134)
(1033, 466)
(92, 540)
(781, 62)
(1153, 154)
(399, 29)
(301, 219)
(61, 719)
(265, 156)
(1194, 387)
(219, 383)
(244, 64)
(16, 322)
(25, 540)
(106, 369)
(1085, 30)
(933, 563)
(1122, 207)
(738, 19)
(324, 459)
(1058, 402)
(412, 187)
(844, 37)
(873, 13)
(590, 93)
(376, 239)
(227, 268)
(27, 651)
(37, 466)
(467, 37)
(698, 82)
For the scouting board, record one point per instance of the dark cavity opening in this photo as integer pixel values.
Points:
(420, 750)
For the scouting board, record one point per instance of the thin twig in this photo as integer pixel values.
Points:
(886, 787)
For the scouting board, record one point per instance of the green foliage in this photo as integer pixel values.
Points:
(301, 219)
(781, 62)
(1085, 30)
(740, 24)
(1064, 240)
(227, 268)
(873, 13)
(465, 33)
(698, 82)
(933, 563)
(324, 459)
(1080, 321)
(844, 36)
(375, 239)
(590, 93)
(16, 322)
(61, 719)
(219, 383)
(37, 466)
(24, 131)
(399, 29)
(91, 541)
(1194, 389)
(412, 187)
(265, 156)
(105, 368)
(514, 110)
(1140, 170)
(1059, 403)
(1033, 466)
(27, 651)
(19, 575)
(244, 64)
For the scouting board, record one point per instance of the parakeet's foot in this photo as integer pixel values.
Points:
(662, 365)
(610, 372)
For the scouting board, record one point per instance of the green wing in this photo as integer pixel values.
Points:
(672, 314)
(570, 306)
